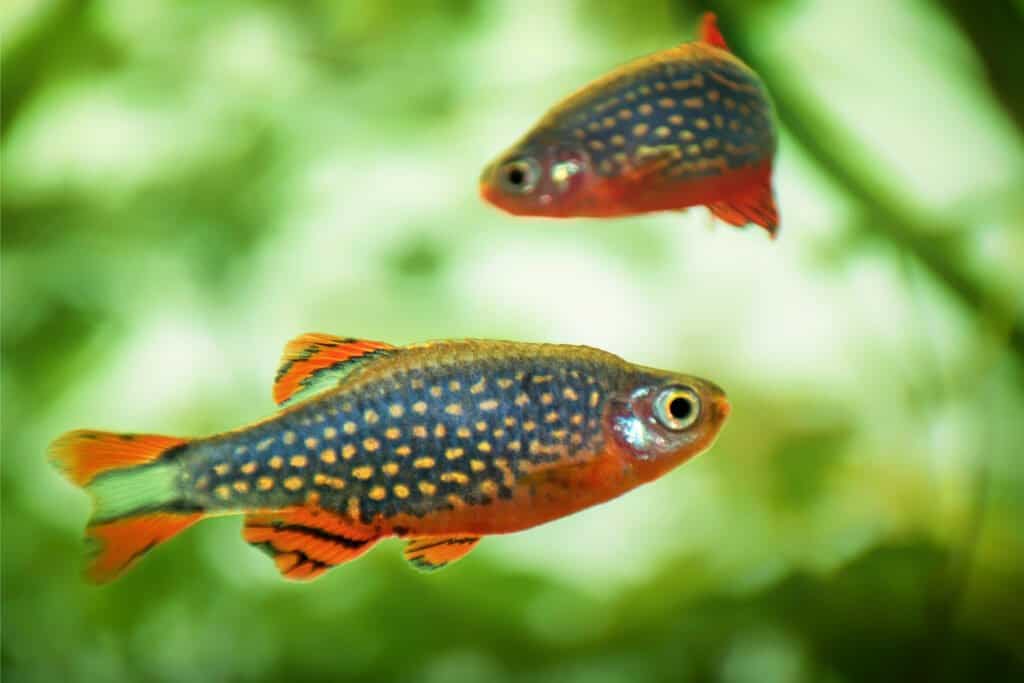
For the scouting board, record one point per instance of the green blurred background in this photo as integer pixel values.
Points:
(187, 185)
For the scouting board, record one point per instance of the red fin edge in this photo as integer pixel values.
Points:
(709, 32)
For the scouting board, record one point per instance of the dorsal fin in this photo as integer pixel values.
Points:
(315, 362)
(709, 32)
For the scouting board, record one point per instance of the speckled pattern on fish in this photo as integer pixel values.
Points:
(440, 443)
(709, 115)
(413, 440)
(688, 126)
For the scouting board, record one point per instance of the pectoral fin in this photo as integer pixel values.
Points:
(429, 553)
(649, 160)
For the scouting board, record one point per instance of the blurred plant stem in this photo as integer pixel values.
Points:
(995, 29)
(58, 40)
(886, 213)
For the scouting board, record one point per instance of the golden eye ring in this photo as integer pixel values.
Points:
(677, 408)
(519, 176)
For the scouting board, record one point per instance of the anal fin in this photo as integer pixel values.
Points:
(756, 205)
(305, 542)
(430, 553)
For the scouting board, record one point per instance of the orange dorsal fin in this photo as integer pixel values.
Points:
(305, 542)
(430, 553)
(755, 205)
(709, 32)
(315, 362)
(83, 454)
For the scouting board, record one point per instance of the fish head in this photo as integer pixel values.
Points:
(537, 179)
(663, 420)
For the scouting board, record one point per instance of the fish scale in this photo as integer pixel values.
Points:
(281, 462)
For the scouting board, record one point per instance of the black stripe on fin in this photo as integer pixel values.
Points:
(430, 553)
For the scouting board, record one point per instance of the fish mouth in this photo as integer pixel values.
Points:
(486, 186)
(498, 199)
(487, 192)
(485, 175)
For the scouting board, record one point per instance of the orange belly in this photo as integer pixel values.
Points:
(542, 496)
(627, 196)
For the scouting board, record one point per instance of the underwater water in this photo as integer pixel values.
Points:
(186, 187)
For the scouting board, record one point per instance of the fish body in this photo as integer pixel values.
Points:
(688, 126)
(439, 443)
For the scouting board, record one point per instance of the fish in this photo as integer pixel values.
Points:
(438, 443)
(691, 125)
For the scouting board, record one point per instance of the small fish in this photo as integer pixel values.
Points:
(438, 443)
(684, 127)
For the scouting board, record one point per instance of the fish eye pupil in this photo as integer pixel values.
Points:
(677, 408)
(518, 176)
(680, 408)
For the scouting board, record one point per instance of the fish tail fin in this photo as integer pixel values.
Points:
(133, 480)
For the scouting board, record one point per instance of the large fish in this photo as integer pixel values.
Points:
(439, 443)
(688, 126)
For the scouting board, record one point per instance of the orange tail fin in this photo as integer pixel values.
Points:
(134, 483)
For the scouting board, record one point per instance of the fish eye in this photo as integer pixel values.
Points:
(677, 407)
(519, 176)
